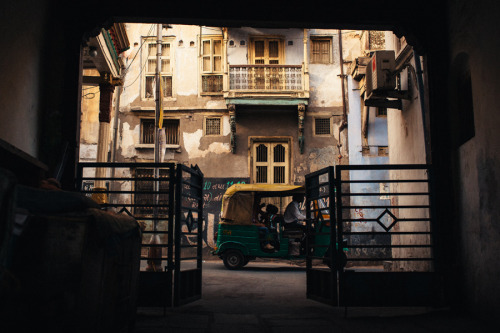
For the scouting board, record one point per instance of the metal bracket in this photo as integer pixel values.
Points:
(385, 103)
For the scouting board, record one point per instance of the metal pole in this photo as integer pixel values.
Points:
(158, 92)
(157, 119)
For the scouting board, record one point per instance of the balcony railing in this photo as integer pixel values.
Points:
(266, 78)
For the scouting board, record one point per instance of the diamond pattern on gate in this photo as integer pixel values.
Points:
(190, 221)
(394, 218)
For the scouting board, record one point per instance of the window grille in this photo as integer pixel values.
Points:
(322, 126)
(211, 79)
(212, 126)
(279, 153)
(211, 83)
(261, 174)
(383, 151)
(381, 112)
(148, 131)
(171, 131)
(150, 70)
(261, 153)
(271, 162)
(279, 174)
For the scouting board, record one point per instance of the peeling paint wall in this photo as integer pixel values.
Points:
(213, 153)
(406, 146)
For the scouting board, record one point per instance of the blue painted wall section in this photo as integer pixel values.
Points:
(377, 136)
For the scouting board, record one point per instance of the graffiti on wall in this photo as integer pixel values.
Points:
(213, 191)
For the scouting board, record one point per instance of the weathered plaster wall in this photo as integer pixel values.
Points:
(406, 146)
(325, 84)
(377, 136)
(212, 153)
(21, 67)
(474, 31)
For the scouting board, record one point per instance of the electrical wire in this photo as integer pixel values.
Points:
(138, 51)
(143, 41)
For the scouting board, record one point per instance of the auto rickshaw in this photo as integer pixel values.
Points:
(242, 237)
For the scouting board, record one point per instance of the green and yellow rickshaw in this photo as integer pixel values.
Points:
(252, 226)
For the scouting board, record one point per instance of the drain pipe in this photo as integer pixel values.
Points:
(421, 92)
(343, 125)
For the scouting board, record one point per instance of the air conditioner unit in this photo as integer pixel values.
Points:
(380, 74)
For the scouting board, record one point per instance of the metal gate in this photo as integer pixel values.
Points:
(321, 280)
(383, 218)
(188, 235)
(166, 201)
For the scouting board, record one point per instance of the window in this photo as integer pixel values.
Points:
(266, 51)
(323, 126)
(144, 183)
(149, 90)
(381, 112)
(213, 126)
(171, 127)
(147, 131)
(383, 151)
(211, 79)
(270, 162)
(321, 50)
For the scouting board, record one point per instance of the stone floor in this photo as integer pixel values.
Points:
(270, 297)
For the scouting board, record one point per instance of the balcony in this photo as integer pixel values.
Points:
(267, 84)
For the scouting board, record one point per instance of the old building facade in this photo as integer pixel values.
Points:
(245, 105)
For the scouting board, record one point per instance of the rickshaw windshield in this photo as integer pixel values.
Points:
(238, 203)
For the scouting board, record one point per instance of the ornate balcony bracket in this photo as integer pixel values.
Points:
(232, 122)
(301, 117)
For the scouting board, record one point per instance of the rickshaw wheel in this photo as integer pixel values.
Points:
(233, 259)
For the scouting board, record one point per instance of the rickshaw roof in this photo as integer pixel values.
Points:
(271, 188)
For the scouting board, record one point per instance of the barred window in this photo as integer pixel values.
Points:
(381, 112)
(213, 126)
(322, 126)
(270, 163)
(171, 131)
(211, 79)
(171, 127)
(149, 87)
(383, 151)
(147, 131)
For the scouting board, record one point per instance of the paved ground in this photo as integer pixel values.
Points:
(270, 297)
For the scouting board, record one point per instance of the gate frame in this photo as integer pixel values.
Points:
(166, 284)
(193, 277)
(371, 288)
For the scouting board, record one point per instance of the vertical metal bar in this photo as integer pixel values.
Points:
(432, 222)
(177, 242)
(170, 235)
(308, 224)
(200, 222)
(79, 176)
(338, 236)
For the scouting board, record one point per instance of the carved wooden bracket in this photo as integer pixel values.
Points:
(302, 111)
(232, 122)
(105, 101)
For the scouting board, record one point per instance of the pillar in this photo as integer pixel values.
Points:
(301, 117)
(106, 90)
